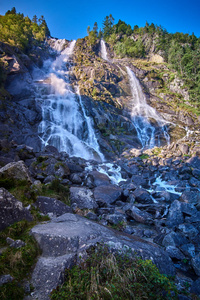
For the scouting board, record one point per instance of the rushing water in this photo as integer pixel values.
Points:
(142, 114)
(65, 124)
(104, 53)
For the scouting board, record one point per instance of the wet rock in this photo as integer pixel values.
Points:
(96, 179)
(52, 206)
(106, 195)
(83, 197)
(11, 210)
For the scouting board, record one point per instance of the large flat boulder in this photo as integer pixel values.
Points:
(11, 210)
(65, 240)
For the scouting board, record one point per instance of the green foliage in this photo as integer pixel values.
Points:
(17, 262)
(108, 26)
(106, 275)
(129, 47)
(19, 31)
(57, 190)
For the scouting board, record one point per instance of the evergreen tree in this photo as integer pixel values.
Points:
(107, 26)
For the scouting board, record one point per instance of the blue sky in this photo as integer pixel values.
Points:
(70, 19)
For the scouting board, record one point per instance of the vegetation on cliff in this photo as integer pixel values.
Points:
(179, 50)
(18, 30)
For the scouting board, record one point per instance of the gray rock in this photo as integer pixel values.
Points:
(75, 178)
(48, 274)
(5, 279)
(174, 239)
(190, 197)
(139, 215)
(69, 236)
(175, 215)
(15, 170)
(196, 264)
(188, 250)
(49, 205)
(174, 252)
(194, 162)
(116, 218)
(106, 195)
(188, 230)
(11, 210)
(142, 196)
(83, 197)
(15, 244)
(195, 287)
(96, 179)
(91, 216)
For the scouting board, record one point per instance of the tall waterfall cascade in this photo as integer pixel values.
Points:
(149, 133)
(103, 50)
(65, 124)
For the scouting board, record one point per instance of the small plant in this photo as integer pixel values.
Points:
(105, 275)
(144, 156)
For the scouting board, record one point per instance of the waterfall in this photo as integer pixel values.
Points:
(142, 114)
(65, 124)
(104, 53)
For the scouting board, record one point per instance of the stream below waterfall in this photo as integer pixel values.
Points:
(65, 123)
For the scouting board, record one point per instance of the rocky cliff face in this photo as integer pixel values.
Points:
(105, 89)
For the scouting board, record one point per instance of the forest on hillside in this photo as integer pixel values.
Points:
(180, 51)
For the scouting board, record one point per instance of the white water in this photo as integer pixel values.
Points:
(113, 171)
(104, 53)
(168, 187)
(142, 113)
(65, 124)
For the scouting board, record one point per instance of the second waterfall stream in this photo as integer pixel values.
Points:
(65, 123)
(142, 115)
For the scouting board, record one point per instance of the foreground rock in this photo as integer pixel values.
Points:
(16, 171)
(66, 239)
(11, 210)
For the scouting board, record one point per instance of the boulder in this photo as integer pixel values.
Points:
(196, 264)
(139, 215)
(16, 171)
(96, 179)
(83, 197)
(106, 195)
(66, 239)
(52, 206)
(175, 215)
(11, 210)
(142, 196)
